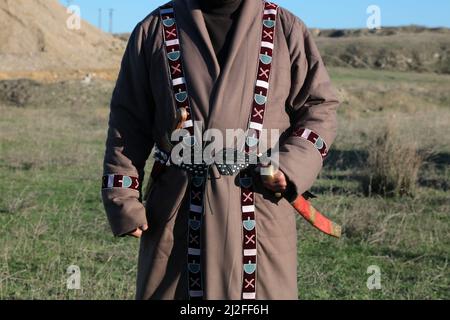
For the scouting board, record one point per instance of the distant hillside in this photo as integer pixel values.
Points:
(404, 49)
(410, 48)
(34, 37)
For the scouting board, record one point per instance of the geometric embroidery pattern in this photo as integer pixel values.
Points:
(174, 59)
(314, 138)
(249, 235)
(196, 189)
(110, 181)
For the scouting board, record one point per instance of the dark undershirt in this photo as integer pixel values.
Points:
(220, 18)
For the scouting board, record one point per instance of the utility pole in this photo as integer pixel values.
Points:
(111, 14)
(100, 18)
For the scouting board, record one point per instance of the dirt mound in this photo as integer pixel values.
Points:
(72, 94)
(34, 37)
(17, 92)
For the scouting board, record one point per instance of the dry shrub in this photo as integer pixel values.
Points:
(393, 163)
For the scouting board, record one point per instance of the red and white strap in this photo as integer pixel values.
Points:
(111, 181)
(314, 138)
(175, 63)
(256, 124)
(197, 185)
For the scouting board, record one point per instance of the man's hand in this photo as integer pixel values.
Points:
(138, 232)
(276, 184)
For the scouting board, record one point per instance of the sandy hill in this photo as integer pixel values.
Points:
(34, 37)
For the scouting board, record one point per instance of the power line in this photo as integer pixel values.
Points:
(111, 14)
(100, 18)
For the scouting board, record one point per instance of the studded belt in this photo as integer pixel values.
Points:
(229, 162)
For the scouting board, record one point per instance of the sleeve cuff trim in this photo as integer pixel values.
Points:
(314, 138)
(110, 181)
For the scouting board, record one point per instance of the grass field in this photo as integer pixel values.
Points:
(51, 215)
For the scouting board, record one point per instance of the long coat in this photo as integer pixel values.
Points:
(142, 112)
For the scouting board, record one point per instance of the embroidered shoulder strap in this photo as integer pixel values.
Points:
(249, 245)
(265, 65)
(175, 64)
(196, 189)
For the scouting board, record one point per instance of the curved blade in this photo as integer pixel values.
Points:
(319, 221)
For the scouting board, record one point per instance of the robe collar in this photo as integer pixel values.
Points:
(250, 17)
(250, 13)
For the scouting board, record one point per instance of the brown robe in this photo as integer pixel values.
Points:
(142, 112)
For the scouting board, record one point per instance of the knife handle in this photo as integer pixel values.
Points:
(268, 175)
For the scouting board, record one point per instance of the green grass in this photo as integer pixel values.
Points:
(51, 215)
(355, 75)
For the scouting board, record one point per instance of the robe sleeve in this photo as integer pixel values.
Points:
(312, 105)
(129, 142)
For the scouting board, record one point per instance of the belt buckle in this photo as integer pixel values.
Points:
(225, 168)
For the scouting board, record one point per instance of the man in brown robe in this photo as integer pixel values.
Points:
(220, 42)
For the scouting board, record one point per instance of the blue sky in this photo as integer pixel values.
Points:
(316, 13)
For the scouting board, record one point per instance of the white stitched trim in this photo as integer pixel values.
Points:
(250, 252)
(110, 180)
(262, 84)
(197, 209)
(249, 295)
(194, 252)
(246, 209)
(266, 44)
(270, 11)
(179, 81)
(194, 293)
(188, 124)
(166, 11)
(306, 134)
(172, 42)
(256, 126)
